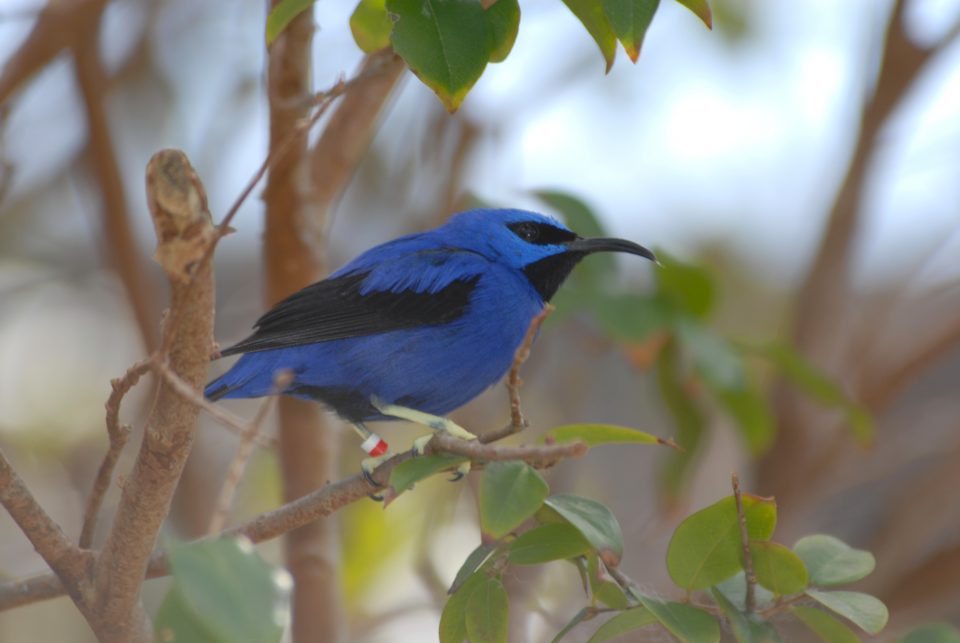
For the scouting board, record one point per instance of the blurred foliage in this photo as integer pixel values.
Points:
(697, 370)
(448, 43)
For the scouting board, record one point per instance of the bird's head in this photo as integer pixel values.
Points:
(541, 247)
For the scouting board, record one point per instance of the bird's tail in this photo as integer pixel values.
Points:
(250, 376)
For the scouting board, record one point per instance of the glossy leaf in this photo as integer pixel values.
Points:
(510, 492)
(176, 621)
(446, 43)
(488, 611)
(283, 14)
(224, 589)
(590, 13)
(701, 9)
(610, 594)
(453, 620)
(746, 629)
(866, 611)
(411, 471)
(932, 633)
(688, 286)
(687, 623)
(831, 561)
(777, 568)
(473, 562)
(751, 411)
(596, 434)
(594, 521)
(371, 25)
(688, 419)
(705, 548)
(824, 625)
(623, 623)
(504, 20)
(630, 20)
(555, 541)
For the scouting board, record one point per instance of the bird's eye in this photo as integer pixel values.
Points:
(527, 231)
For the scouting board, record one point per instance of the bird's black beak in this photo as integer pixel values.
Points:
(603, 244)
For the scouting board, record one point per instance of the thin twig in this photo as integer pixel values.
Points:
(236, 424)
(751, 579)
(517, 421)
(118, 435)
(240, 459)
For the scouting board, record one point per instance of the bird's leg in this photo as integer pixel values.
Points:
(433, 422)
(378, 450)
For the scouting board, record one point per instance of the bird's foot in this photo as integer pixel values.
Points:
(368, 466)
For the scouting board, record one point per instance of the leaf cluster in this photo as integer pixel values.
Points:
(448, 43)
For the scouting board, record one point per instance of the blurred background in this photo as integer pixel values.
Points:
(805, 155)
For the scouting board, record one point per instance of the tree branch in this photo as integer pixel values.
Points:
(58, 27)
(121, 244)
(184, 231)
(317, 504)
(118, 435)
(67, 562)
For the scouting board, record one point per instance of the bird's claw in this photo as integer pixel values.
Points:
(462, 470)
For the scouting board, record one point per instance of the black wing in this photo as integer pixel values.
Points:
(335, 309)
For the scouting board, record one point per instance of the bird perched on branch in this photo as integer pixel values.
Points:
(416, 327)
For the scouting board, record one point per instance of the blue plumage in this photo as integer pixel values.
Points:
(427, 321)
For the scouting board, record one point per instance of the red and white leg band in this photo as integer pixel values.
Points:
(374, 445)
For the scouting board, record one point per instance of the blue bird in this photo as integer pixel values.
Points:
(416, 327)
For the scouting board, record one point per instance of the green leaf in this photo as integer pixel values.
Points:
(687, 416)
(446, 43)
(866, 611)
(411, 471)
(283, 14)
(488, 613)
(596, 434)
(777, 568)
(510, 492)
(630, 20)
(688, 286)
(817, 386)
(751, 410)
(453, 620)
(824, 625)
(735, 589)
(504, 20)
(371, 25)
(590, 13)
(554, 541)
(932, 633)
(701, 9)
(624, 622)
(831, 561)
(473, 562)
(585, 614)
(224, 592)
(713, 357)
(594, 521)
(746, 629)
(630, 317)
(687, 623)
(705, 548)
(177, 621)
(609, 593)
